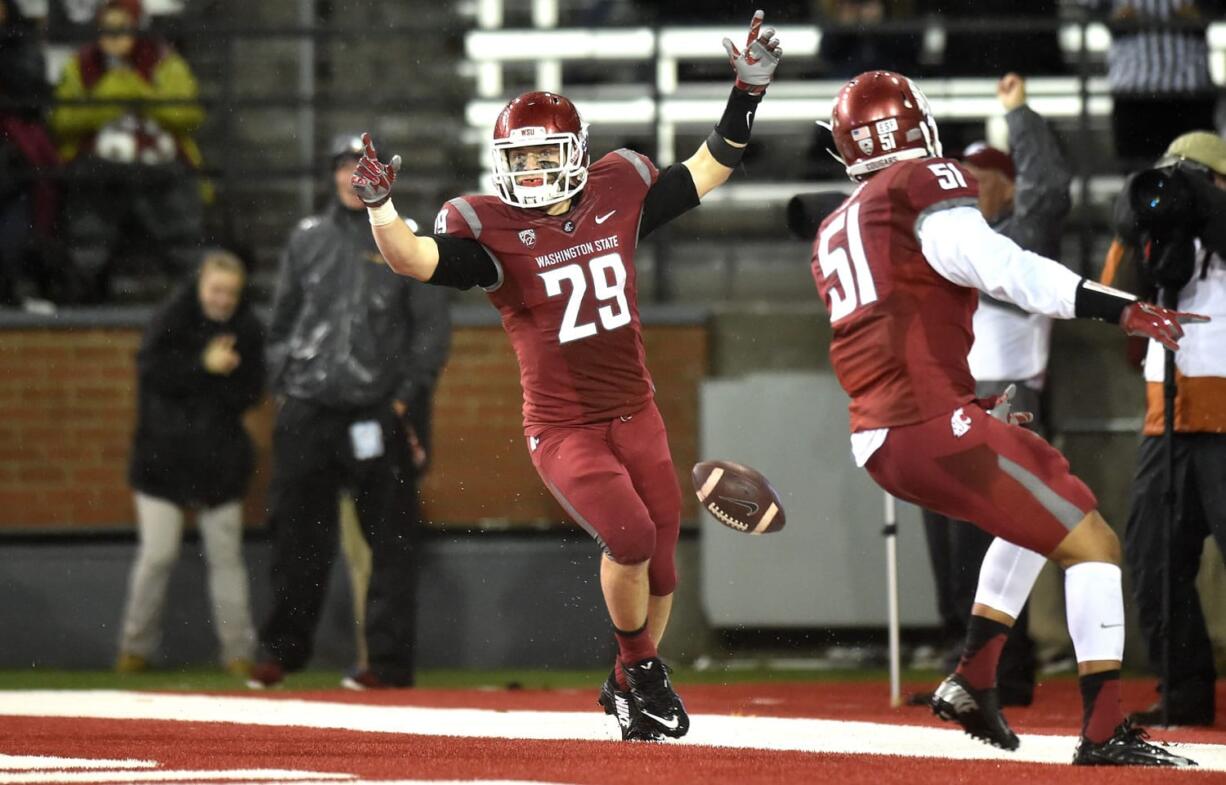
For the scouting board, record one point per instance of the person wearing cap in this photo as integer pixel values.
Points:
(1023, 195)
(353, 354)
(1199, 438)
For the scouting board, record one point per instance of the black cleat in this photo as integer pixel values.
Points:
(977, 711)
(621, 706)
(1127, 747)
(660, 708)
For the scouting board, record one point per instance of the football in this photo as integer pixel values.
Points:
(738, 497)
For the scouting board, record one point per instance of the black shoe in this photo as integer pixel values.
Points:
(620, 705)
(1128, 747)
(660, 708)
(977, 711)
(1179, 716)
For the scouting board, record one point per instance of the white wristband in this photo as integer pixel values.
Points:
(383, 214)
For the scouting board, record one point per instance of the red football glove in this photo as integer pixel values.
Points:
(1161, 324)
(372, 179)
(755, 67)
(1001, 407)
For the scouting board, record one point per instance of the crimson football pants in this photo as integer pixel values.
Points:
(616, 480)
(1003, 478)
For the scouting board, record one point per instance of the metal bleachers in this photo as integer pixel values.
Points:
(663, 86)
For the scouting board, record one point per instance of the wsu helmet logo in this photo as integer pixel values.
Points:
(528, 237)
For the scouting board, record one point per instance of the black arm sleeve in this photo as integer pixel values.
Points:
(1095, 301)
(462, 264)
(673, 194)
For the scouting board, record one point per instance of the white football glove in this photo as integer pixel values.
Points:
(755, 67)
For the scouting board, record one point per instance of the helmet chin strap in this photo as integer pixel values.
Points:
(832, 153)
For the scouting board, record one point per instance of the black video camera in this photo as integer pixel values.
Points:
(1165, 210)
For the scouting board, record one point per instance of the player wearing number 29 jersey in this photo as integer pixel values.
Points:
(565, 289)
(555, 251)
(898, 265)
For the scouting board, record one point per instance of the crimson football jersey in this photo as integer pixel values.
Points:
(901, 331)
(566, 292)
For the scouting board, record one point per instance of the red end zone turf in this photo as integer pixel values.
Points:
(217, 752)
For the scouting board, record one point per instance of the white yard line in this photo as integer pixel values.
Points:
(771, 733)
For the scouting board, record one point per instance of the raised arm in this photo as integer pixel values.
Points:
(680, 187)
(457, 262)
(712, 163)
(405, 252)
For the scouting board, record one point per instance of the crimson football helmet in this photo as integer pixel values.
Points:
(535, 120)
(879, 119)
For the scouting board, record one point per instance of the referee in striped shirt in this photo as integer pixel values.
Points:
(1158, 69)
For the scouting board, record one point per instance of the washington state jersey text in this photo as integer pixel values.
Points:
(901, 331)
(567, 292)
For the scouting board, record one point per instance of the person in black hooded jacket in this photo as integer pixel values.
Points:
(200, 366)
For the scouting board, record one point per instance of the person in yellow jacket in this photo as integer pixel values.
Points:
(1197, 159)
(126, 108)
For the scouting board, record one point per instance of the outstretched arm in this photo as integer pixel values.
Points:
(964, 250)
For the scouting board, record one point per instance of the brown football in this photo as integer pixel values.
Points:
(738, 497)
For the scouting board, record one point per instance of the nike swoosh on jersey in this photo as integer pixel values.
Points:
(672, 723)
(602, 218)
(750, 507)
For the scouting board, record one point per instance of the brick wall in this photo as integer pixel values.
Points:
(67, 404)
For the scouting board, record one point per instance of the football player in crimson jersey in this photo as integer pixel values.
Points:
(899, 264)
(555, 251)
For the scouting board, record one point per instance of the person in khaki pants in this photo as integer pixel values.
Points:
(200, 366)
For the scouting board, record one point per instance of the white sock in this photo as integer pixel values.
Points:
(1007, 576)
(1095, 601)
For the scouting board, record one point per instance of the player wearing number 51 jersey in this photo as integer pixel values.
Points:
(555, 251)
(899, 264)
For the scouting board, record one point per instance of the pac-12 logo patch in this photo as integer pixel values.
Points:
(528, 237)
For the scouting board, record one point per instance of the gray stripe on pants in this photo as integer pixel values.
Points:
(1054, 503)
(579, 519)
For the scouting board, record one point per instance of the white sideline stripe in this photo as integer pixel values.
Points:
(174, 775)
(25, 762)
(767, 733)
